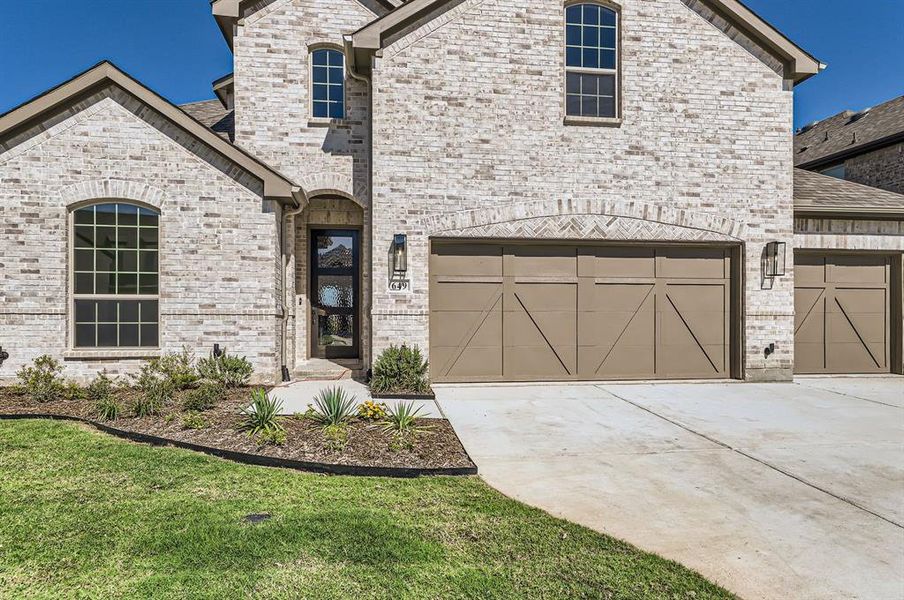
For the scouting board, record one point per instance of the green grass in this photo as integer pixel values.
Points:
(86, 515)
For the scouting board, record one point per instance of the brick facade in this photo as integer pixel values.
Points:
(219, 266)
(706, 135)
(882, 168)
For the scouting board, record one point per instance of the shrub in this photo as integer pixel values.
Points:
(102, 393)
(262, 415)
(336, 437)
(276, 437)
(73, 391)
(403, 426)
(178, 368)
(400, 370)
(193, 420)
(42, 382)
(230, 371)
(155, 390)
(204, 397)
(332, 406)
(372, 411)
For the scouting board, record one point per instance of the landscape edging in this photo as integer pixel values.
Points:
(256, 459)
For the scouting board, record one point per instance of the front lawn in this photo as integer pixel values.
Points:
(85, 514)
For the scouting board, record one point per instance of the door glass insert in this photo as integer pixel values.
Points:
(335, 251)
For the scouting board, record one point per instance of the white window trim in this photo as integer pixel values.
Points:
(616, 72)
(74, 351)
(321, 121)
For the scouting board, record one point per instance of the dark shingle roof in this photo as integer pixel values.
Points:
(846, 132)
(212, 114)
(814, 193)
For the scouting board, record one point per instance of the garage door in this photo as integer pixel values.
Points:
(842, 319)
(530, 312)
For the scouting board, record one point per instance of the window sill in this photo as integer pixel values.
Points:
(325, 122)
(111, 353)
(593, 121)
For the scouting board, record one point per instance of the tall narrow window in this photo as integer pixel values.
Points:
(115, 267)
(591, 61)
(328, 84)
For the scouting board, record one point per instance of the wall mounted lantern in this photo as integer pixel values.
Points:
(217, 352)
(400, 254)
(3, 355)
(775, 259)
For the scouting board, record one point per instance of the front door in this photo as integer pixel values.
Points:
(335, 282)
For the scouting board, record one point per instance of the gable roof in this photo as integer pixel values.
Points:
(212, 115)
(798, 64)
(276, 185)
(821, 194)
(849, 133)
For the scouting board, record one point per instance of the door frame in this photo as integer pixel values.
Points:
(355, 351)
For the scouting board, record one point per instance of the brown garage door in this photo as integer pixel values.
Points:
(528, 312)
(842, 319)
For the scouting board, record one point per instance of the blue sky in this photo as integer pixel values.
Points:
(174, 47)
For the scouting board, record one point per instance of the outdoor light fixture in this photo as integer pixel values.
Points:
(217, 353)
(3, 355)
(400, 254)
(775, 259)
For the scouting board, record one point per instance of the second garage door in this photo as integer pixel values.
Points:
(530, 312)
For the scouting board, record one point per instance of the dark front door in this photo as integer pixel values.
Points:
(335, 282)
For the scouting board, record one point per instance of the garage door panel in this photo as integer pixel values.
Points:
(472, 362)
(462, 297)
(466, 260)
(540, 261)
(842, 323)
(544, 297)
(617, 262)
(692, 263)
(700, 298)
(538, 362)
(614, 297)
(624, 362)
(554, 327)
(455, 328)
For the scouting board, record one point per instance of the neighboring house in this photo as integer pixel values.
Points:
(864, 147)
(526, 190)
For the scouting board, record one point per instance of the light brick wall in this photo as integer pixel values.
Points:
(273, 121)
(883, 168)
(468, 118)
(848, 234)
(219, 270)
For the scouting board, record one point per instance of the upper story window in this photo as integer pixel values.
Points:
(328, 84)
(115, 269)
(591, 61)
(837, 171)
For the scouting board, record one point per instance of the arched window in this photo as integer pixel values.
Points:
(591, 61)
(328, 84)
(115, 276)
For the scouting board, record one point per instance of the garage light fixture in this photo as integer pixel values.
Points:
(775, 259)
(399, 254)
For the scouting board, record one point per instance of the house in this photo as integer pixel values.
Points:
(526, 190)
(864, 147)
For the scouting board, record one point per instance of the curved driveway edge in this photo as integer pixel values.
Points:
(771, 490)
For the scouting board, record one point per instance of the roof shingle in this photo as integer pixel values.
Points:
(212, 115)
(820, 193)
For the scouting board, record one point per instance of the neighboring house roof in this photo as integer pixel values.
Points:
(799, 65)
(212, 115)
(849, 133)
(816, 193)
(276, 185)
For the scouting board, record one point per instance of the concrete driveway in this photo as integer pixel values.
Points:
(772, 490)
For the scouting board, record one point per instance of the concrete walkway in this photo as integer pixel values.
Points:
(772, 490)
(297, 395)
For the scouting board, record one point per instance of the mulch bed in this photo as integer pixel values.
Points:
(368, 445)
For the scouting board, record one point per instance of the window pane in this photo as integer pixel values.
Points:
(148, 311)
(335, 93)
(84, 260)
(591, 36)
(607, 17)
(85, 215)
(106, 335)
(85, 311)
(588, 85)
(591, 58)
(84, 336)
(320, 92)
(607, 59)
(589, 106)
(128, 237)
(337, 110)
(84, 283)
(607, 107)
(128, 335)
(127, 215)
(148, 218)
(573, 35)
(572, 83)
(320, 57)
(607, 85)
(573, 105)
(149, 335)
(106, 214)
(84, 236)
(320, 75)
(321, 110)
(607, 38)
(128, 260)
(105, 260)
(106, 311)
(573, 57)
(105, 283)
(336, 58)
(573, 14)
(105, 237)
(336, 330)
(148, 284)
(336, 292)
(128, 283)
(148, 237)
(591, 14)
(128, 312)
(148, 262)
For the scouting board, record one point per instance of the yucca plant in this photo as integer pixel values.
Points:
(333, 407)
(402, 419)
(262, 415)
